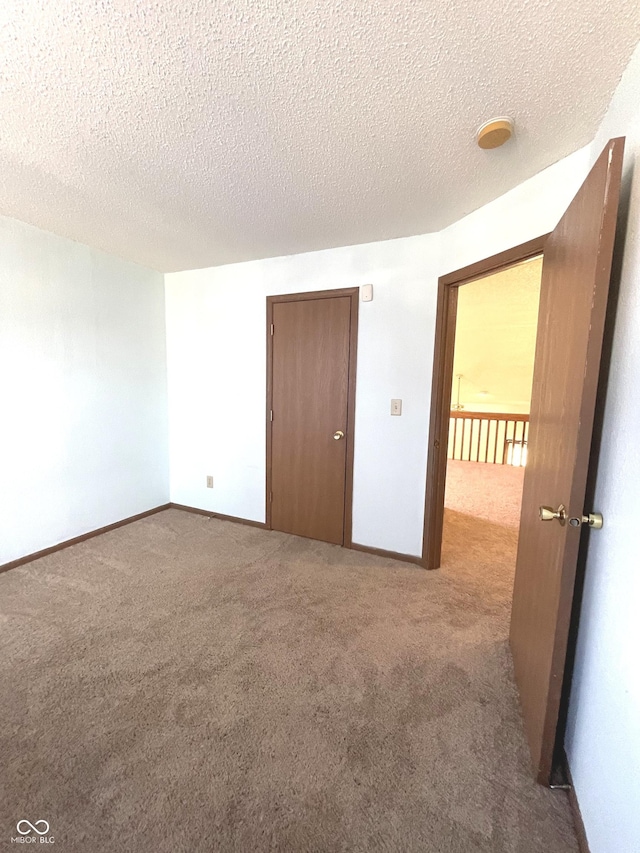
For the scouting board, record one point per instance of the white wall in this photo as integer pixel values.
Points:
(83, 431)
(216, 349)
(496, 327)
(528, 211)
(603, 737)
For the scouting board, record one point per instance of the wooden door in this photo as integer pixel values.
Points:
(311, 434)
(573, 299)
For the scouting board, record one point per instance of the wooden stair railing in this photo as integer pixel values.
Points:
(495, 438)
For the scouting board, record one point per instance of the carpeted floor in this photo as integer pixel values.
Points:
(489, 492)
(186, 684)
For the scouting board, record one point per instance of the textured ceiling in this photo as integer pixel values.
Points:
(189, 134)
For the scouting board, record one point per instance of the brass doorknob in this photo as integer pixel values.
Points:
(338, 434)
(547, 513)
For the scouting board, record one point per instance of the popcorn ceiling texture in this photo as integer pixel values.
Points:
(184, 135)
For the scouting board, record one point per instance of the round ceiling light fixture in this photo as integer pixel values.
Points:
(494, 133)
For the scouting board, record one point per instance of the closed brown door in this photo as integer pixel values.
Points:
(312, 367)
(573, 299)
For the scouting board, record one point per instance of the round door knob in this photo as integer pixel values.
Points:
(547, 513)
(338, 434)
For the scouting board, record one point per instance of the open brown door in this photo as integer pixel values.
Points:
(310, 423)
(573, 300)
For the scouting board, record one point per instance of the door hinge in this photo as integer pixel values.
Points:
(271, 415)
(270, 497)
(272, 328)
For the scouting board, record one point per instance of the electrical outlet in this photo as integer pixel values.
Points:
(209, 481)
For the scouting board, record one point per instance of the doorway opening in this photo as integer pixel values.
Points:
(447, 390)
(487, 443)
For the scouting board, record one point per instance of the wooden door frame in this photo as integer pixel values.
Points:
(441, 385)
(353, 293)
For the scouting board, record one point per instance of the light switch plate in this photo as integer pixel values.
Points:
(366, 292)
(209, 481)
(396, 407)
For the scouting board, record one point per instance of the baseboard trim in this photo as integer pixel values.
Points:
(236, 519)
(354, 546)
(29, 558)
(391, 555)
(378, 552)
(581, 832)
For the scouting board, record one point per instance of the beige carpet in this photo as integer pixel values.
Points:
(485, 491)
(182, 684)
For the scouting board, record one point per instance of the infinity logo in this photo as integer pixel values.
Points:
(32, 827)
